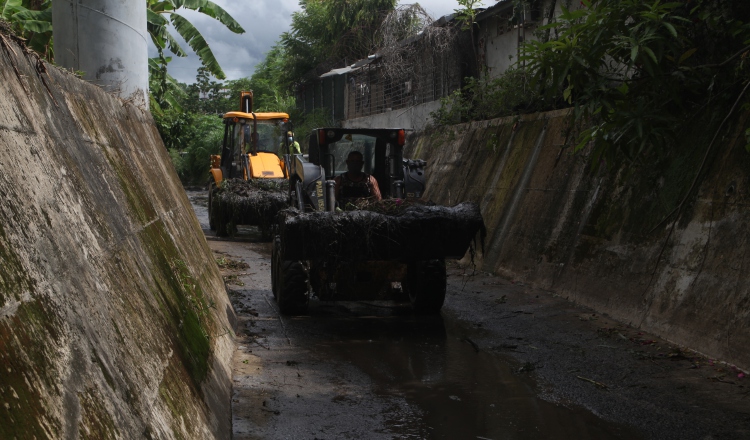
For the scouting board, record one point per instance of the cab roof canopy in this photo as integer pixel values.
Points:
(259, 116)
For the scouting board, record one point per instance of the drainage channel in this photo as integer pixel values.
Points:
(375, 370)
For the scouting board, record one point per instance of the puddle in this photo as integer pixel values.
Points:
(461, 392)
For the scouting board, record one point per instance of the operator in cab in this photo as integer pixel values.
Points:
(355, 184)
(293, 144)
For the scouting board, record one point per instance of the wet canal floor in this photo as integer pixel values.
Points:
(375, 370)
(501, 362)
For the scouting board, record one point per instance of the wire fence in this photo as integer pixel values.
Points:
(421, 70)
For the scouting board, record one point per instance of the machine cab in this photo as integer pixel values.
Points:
(382, 150)
(254, 144)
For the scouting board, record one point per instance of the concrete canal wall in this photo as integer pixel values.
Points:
(114, 322)
(607, 239)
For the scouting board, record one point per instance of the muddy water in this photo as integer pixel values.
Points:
(433, 364)
(412, 376)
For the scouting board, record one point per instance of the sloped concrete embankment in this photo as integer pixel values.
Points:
(114, 322)
(609, 240)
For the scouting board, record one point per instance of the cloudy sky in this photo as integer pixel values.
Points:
(263, 21)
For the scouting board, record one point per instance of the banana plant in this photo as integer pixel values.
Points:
(162, 13)
(33, 25)
(165, 91)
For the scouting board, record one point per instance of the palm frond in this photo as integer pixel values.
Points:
(10, 8)
(199, 45)
(189, 4)
(155, 18)
(217, 12)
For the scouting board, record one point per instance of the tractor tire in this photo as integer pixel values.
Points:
(426, 284)
(288, 282)
(222, 226)
(221, 222)
(211, 222)
(275, 246)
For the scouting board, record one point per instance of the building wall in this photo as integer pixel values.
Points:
(501, 34)
(499, 41)
(413, 118)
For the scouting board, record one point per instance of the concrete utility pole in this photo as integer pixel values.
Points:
(107, 40)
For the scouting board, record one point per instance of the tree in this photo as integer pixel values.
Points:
(332, 32)
(271, 92)
(467, 16)
(635, 70)
(161, 13)
(164, 91)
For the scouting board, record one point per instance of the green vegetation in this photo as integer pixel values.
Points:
(467, 16)
(192, 128)
(161, 14)
(485, 98)
(331, 33)
(323, 34)
(31, 20)
(637, 71)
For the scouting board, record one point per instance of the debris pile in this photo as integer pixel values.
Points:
(249, 202)
(385, 230)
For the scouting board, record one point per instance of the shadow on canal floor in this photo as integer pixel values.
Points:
(433, 363)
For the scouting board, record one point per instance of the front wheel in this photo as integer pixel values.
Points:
(288, 282)
(426, 284)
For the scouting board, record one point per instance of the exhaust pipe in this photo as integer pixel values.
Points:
(330, 195)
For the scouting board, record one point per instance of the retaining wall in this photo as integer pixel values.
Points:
(612, 240)
(114, 321)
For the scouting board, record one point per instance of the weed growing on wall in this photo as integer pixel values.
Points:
(484, 98)
(194, 295)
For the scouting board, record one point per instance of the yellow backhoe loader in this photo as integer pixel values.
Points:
(249, 179)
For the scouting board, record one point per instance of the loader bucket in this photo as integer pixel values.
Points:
(254, 202)
(417, 232)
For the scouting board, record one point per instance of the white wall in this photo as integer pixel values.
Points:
(412, 118)
(502, 41)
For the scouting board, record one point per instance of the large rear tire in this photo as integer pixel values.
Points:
(288, 282)
(211, 222)
(219, 220)
(426, 284)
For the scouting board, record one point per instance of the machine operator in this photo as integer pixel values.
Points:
(355, 184)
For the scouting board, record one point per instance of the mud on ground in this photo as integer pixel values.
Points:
(618, 372)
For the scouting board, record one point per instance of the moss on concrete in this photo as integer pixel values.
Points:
(640, 198)
(13, 278)
(27, 339)
(139, 203)
(81, 335)
(598, 235)
(184, 304)
(171, 390)
(27, 342)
